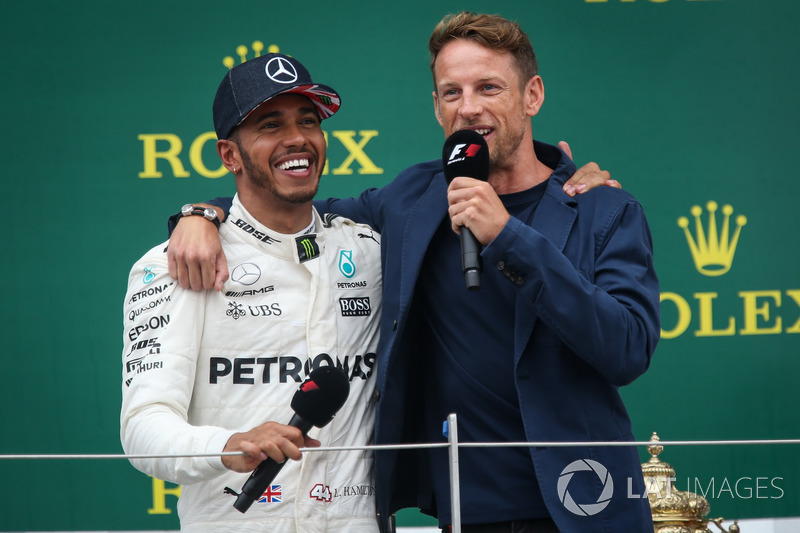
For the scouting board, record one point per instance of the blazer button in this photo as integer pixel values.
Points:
(520, 281)
(376, 395)
(394, 325)
(501, 265)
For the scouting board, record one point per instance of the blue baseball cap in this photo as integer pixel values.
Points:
(250, 84)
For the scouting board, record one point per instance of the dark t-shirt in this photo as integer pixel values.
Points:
(469, 365)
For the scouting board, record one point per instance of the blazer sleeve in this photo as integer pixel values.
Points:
(363, 209)
(600, 295)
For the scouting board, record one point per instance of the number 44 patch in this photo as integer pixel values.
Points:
(321, 492)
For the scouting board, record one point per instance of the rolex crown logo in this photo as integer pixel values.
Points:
(242, 52)
(712, 251)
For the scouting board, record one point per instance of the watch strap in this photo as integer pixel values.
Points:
(200, 211)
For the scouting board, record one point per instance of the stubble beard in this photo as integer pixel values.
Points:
(505, 149)
(262, 179)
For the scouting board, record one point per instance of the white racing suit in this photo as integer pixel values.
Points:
(199, 366)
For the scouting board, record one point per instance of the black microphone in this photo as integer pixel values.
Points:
(315, 403)
(466, 154)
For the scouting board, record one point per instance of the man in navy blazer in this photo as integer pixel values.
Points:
(567, 313)
(569, 292)
(585, 322)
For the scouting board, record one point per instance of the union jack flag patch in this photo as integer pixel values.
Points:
(273, 494)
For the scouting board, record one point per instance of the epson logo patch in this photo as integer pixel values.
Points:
(355, 306)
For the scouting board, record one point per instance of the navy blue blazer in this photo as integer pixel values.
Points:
(586, 323)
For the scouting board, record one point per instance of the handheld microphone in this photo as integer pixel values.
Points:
(466, 153)
(315, 403)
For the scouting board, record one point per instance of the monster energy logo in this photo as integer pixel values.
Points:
(307, 247)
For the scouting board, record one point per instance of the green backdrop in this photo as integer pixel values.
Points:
(106, 117)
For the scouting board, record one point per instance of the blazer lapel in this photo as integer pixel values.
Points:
(554, 218)
(423, 219)
(555, 215)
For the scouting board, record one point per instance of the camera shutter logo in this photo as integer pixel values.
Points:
(585, 509)
(246, 273)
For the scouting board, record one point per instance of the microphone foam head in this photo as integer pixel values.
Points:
(321, 395)
(466, 153)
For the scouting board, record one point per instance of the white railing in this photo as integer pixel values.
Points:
(451, 432)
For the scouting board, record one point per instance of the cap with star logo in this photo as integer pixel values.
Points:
(250, 84)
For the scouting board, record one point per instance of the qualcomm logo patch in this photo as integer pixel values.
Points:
(346, 265)
(246, 273)
(585, 509)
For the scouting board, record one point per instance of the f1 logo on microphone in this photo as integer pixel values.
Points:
(469, 150)
(309, 385)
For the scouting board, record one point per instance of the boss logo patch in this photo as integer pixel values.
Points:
(355, 306)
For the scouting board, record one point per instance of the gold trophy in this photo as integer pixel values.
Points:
(675, 511)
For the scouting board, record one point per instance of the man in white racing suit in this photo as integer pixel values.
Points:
(215, 371)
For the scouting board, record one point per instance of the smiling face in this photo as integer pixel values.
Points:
(280, 148)
(283, 148)
(480, 89)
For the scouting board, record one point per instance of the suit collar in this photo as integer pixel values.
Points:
(556, 212)
(554, 219)
(423, 220)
